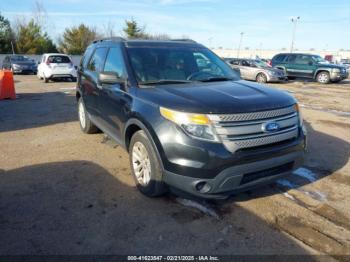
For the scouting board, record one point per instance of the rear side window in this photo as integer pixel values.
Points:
(279, 58)
(58, 59)
(97, 60)
(114, 62)
(290, 59)
(303, 59)
(234, 62)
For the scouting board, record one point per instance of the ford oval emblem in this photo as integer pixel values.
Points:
(270, 127)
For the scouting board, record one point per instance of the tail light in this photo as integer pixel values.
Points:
(48, 63)
(269, 62)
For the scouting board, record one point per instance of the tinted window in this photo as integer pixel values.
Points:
(84, 61)
(97, 60)
(114, 61)
(234, 62)
(290, 59)
(302, 59)
(279, 58)
(58, 59)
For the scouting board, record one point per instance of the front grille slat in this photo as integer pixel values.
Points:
(241, 131)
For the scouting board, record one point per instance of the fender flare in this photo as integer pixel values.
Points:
(148, 130)
(321, 69)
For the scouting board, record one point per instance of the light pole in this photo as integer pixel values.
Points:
(240, 43)
(210, 39)
(294, 21)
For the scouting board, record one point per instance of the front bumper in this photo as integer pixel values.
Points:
(338, 76)
(272, 78)
(189, 162)
(238, 178)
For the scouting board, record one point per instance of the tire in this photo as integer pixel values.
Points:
(261, 78)
(323, 77)
(85, 123)
(150, 178)
(46, 80)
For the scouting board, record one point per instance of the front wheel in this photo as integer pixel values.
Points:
(261, 78)
(323, 77)
(145, 165)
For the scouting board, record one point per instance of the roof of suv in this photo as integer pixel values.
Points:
(145, 42)
(294, 54)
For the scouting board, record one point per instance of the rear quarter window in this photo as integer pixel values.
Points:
(279, 58)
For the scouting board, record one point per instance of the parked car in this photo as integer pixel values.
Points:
(309, 66)
(19, 64)
(346, 63)
(256, 70)
(56, 66)
(188, 125)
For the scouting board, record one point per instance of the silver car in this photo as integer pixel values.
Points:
(256, 70)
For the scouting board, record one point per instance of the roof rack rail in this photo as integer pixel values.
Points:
(184, 40)
(116, 39)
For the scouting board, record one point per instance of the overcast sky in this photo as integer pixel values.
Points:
(265, 23)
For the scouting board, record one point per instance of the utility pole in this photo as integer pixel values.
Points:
(13, 49)
(294, 21)
(240, 43)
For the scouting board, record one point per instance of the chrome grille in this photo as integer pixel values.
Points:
(241, 131)
(254, 115)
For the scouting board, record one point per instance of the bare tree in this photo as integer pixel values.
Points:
(109, 29)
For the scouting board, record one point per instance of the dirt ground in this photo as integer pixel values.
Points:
(65, 192)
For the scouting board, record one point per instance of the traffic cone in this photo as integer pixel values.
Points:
(7, 85)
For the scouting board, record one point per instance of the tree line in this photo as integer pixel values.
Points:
(29, 37)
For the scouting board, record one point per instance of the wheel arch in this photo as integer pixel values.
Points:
(321, 69)
(132, 126)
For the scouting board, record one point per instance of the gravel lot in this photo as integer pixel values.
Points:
(64, 192)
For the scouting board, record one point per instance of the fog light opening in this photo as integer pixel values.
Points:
(202, 187)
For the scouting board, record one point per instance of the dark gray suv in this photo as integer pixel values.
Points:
(186, 119)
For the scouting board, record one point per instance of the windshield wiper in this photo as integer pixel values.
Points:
(164, 82)
(214, 79)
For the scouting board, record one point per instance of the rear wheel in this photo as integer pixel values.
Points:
(85, 123)
(261, 78)
(145, 165)
(46, 80)
(323, 77)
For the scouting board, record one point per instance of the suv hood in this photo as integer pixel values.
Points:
(329, 65)
(224, 97)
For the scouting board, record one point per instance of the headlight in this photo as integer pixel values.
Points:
(195, 125)
(297, 108)
(273, 73)
(15, 66)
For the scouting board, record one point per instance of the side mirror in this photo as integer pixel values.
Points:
(39, 62)
(110, 78)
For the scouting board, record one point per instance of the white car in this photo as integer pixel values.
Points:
(56, 66)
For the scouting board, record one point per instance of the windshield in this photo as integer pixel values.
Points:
(20, 58)
(177, 65)
(319, 59)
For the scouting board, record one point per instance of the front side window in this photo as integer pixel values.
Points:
(303, 59)
(114, 62)
(186, 64)
(97, 60)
